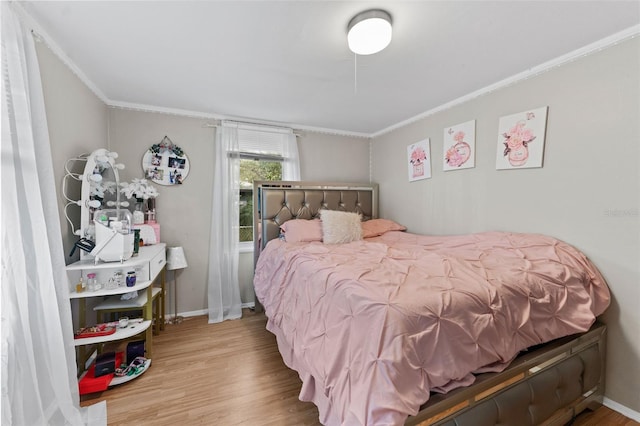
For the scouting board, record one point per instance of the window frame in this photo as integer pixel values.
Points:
(248, 246)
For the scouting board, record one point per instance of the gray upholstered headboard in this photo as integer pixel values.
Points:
(275, 202)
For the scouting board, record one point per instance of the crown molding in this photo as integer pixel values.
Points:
(162, 110)
(208, 116)
(597, 46)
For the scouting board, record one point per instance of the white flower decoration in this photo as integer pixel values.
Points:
(139, 189)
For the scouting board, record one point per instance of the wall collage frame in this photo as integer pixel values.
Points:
(165, 163)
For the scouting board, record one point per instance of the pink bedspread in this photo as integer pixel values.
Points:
(372, 326)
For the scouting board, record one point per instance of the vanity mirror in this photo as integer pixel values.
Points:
(165, 163)
(99, 192)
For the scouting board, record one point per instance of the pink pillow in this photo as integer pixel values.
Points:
(376, 227)
(302, 230)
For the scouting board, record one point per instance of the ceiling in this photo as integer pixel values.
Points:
(288, 61)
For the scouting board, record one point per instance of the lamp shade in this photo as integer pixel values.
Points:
(176, 258)
(369, 32)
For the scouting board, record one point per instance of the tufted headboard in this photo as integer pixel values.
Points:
(275, 202)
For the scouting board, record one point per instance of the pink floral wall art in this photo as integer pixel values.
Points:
(521, 139)
(419, 160)
(459, 150)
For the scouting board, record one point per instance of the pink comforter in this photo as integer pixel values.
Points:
(372, 326)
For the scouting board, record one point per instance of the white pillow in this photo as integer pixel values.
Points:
(340, 227)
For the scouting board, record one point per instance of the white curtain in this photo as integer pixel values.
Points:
(291, 163)
(39, 385)
(223, 288)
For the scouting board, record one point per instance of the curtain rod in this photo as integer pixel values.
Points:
(216, 125)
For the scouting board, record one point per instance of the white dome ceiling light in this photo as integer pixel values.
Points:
(369, 32)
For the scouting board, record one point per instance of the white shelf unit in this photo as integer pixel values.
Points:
(121, 333)
(124, 379)
(112, 292)
(149, 265)
(114, 302)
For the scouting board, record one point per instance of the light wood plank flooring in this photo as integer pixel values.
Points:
(603, 416)
(228, 374)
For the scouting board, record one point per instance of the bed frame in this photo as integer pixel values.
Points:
(547, 385)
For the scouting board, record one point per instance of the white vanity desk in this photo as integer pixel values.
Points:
(149, 264)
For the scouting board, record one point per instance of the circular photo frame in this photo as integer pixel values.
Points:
(165, 163)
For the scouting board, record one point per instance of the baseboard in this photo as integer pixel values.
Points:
(203, 312)
(628, 412)
(194, 313)
(169, 317)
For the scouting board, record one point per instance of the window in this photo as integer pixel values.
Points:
(250, 170)
(264, 155)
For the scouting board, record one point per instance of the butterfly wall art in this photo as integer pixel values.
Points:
(459, 149)
(521, 139)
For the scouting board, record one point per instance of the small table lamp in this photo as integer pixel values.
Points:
(175, 261)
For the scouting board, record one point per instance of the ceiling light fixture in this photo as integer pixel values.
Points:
(369, 32)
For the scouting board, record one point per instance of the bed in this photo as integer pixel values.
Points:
(482, 329)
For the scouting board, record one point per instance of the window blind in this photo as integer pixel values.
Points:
(261, 142)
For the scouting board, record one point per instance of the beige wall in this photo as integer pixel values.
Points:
(77, 121)
(183, 211)
(587, 193)
(336, 158)
(245, 277)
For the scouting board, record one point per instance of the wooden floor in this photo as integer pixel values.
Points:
(603, 416)
(228, 374)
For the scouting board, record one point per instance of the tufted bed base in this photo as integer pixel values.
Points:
(547, 385)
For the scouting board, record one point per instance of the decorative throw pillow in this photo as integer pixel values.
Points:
(340, 227)
(376, 227)
(302, 230)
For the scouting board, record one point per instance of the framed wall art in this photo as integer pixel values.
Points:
(459, 146)
(419, 160)
(521, 139)
(165, 163)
